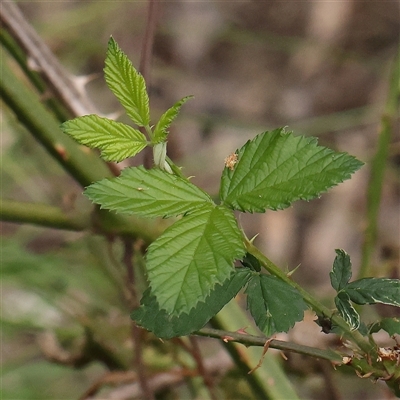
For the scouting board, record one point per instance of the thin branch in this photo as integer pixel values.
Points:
(60, 82)
(195, 351)
(23, 61)
(127, 260)
(135, 330)
(218, 365)
(145, 60)
(318, 307)
(148, 40)
(251, 340)
(378, 167)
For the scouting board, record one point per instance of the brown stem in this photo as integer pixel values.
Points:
(145, 59)
(195, 351)
(60, 82)
(147, 45)
(136, 331)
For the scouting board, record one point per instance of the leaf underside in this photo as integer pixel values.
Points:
(341, 272)
(192, 256)
(346, 310)
(127, 84)
(274, 305)
(165, 326)
(149, 193)
(116, 140)
(276, 168)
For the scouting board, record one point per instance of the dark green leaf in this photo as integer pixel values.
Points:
(127, 84)
(165, 326)
(274, 305)
(149, 193)
(192, 256)
(347, 311)
(249, 261)
(116, 140)
(161, 129)
(375, 290)
(390, 325)
(276, 168)
(341, 272)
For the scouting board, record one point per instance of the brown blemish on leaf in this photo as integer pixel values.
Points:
(231, 161)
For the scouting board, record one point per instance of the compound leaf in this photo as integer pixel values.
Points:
(341, 272)
(390, 325)
(276, 168)
(149, 193)
(165, 326)
(192, 256)
(274, 305)
(160, 132)
(374, 290)
(127, 84)
(346, 310)
(116, 140)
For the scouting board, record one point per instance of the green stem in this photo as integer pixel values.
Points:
(251, 340)
(101, 222)
(149, 132)
(231, 318)
(318, 307)
(43, 215)
(378, 167)
(21, 58)
(83, 165)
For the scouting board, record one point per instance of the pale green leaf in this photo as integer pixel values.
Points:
(276, 168)
(127, 84)
(149, 193)
(274, 305)
(160, 132)
(192, 256)
(374, 290)
(165, 326)
(341, 272)
(347, 311)
(116, 140)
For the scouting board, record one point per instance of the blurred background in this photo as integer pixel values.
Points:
(320, 68)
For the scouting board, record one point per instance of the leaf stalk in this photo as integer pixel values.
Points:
(318, 307)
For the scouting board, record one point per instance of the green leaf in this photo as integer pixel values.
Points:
(374, 290)
(149, 193)
(127, 84)
(347, 311)
(249, 261)
(274, 305)
(161, 129)
(192, 256)
(390, 325)
(276, 168)
(341, 272)
(116, 140)
(166, 326)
